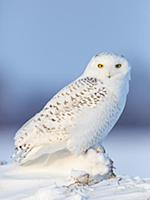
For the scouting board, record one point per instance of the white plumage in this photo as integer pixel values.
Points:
(80, 115)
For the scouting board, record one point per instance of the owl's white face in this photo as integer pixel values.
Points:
(108, 66)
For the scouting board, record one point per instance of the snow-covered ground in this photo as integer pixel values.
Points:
(129, 150)
(37, 187)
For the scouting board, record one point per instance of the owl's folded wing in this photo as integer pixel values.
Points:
(60, 121)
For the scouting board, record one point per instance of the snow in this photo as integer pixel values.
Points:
(36, 187)
(58, 180)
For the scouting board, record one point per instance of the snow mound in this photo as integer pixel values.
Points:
(70, 177)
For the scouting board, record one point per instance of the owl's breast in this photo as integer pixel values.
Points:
(109, 112)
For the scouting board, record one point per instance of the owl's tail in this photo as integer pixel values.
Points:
(24, 155)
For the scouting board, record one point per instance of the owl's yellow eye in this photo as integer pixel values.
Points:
(100, 65)
(118, 65)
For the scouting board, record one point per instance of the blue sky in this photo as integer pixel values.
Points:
(45, 44)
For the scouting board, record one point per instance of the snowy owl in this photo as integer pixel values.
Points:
(80, 115)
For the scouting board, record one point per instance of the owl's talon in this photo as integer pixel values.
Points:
(113, 175)
(86, 151)
(100, 149)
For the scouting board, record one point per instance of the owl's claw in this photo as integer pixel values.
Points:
(100, 149)
(113, 175)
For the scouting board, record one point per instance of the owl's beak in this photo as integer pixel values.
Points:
(109, 75)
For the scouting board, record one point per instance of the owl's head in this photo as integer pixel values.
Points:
(108, 66)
